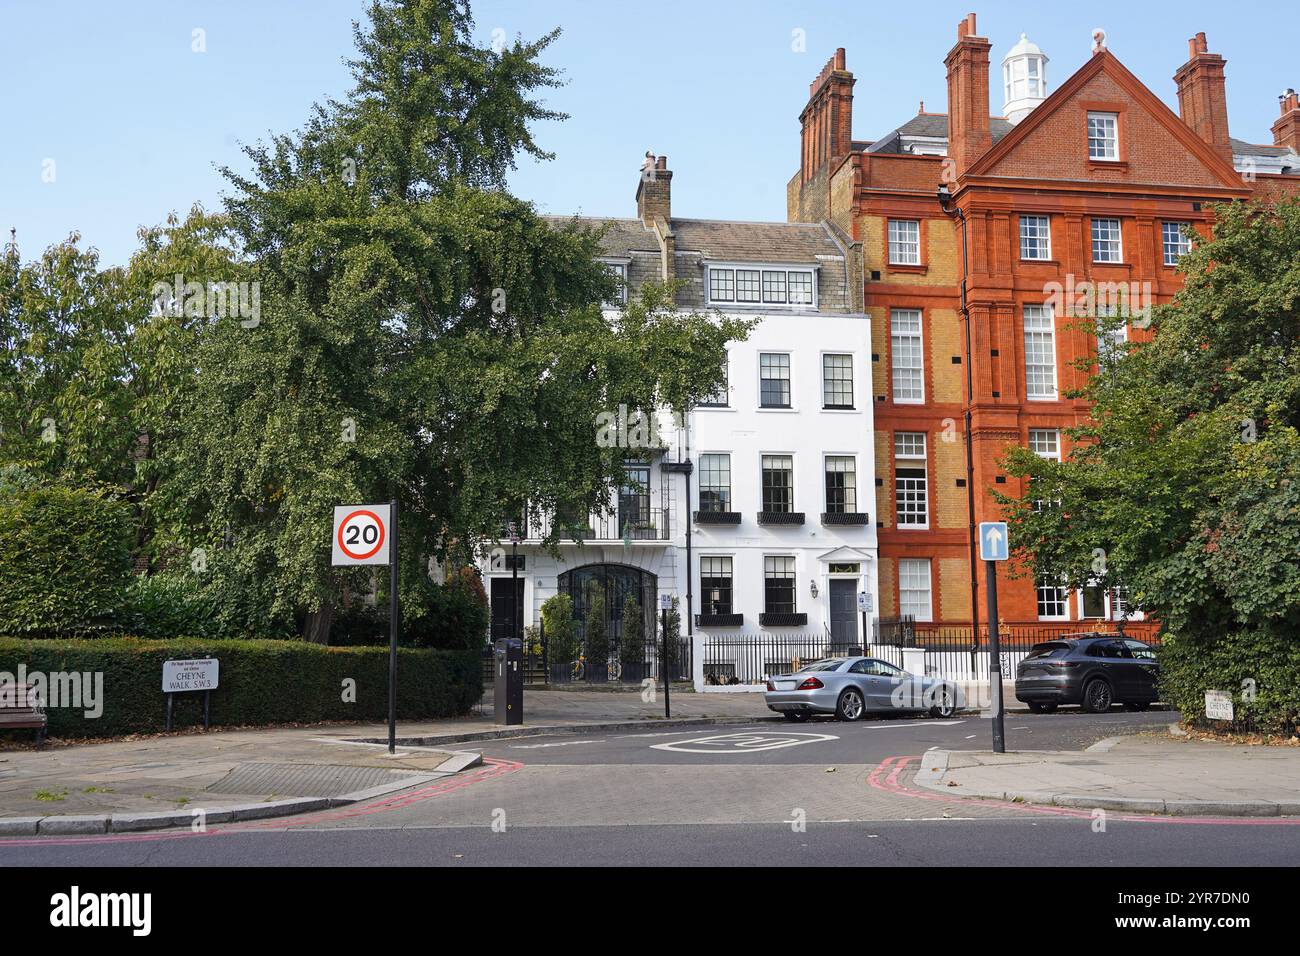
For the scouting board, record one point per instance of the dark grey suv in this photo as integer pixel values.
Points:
(1094, 670)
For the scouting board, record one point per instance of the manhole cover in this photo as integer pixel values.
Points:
(302, 780)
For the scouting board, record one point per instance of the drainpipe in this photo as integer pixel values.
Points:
(952, 209)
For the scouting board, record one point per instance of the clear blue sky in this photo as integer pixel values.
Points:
(137, 123)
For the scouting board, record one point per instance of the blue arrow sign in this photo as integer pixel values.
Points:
(993, 541)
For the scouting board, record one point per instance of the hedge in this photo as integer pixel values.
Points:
(261, 682)
(67, 560)
(1269, 658)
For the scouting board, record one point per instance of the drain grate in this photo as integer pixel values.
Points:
(302, 780)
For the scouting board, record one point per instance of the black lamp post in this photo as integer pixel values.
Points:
(516, 610)
(951, 209)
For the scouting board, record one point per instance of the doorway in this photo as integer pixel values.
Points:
(844, 615)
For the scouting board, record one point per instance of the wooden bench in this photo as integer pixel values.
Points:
(21, 708)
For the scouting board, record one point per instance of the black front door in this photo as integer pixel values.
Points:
(507, 607)
(844, 605)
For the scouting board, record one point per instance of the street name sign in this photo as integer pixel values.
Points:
(993, 541)
(362, 534)
(184, 677)
(1218, 705)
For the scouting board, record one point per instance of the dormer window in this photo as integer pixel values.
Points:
(1103, 136)
(619, 271)
(734, 285)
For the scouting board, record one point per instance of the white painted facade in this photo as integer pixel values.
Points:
(823, 554)
(807, 433)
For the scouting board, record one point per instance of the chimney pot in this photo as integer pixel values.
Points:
(1202, 97)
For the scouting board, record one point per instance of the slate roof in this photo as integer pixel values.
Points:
(1242, 148)
(933, 125)
(721, 240)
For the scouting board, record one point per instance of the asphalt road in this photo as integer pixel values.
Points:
(767, 794)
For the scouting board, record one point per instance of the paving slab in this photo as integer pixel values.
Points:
(1153, 773)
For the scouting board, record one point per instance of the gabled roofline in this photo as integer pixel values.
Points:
(1105, 60)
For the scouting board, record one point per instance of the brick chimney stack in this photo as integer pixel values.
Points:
(1202, 98)
(1286, 131)
(827, 120)
(968, 96)
(654, 192)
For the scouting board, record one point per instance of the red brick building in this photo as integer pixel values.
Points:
(1092, 183)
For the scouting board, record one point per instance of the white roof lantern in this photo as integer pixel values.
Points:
(1024, 79)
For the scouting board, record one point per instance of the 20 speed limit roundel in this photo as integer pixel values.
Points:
(361, 534)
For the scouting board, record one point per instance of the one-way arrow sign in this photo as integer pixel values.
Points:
(993, 541)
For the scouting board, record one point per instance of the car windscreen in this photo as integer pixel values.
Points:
(1041, 652)
(828, 665)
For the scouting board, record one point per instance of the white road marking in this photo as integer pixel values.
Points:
(563, 743)
(742, 743)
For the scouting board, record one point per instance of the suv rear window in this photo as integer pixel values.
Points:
(1041, 652)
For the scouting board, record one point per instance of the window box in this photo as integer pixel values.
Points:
(719, 620)
(717, 517)
(783, 619)
(845, 517)
(780, 517)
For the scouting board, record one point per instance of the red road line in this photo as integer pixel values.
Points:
(493, 767)
(885, 777)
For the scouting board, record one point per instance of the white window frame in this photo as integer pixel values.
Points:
(852, 380)
(1043, 329)
(904, 249)
(1045, 443)
(1041, 240)
(1111, 241)
(852, 469)
(909, 457)
(1112, 340)
(619, 270)
(789, 380)
(902, 344)
(1041, 584)
(1103, 137)
(768, 277)
(910, 571)
(1181, 244)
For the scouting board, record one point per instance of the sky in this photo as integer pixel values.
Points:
(110, 118)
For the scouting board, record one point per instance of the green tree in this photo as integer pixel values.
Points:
(97, 362)
(1185, 487)
(425, 335)
(595, 629)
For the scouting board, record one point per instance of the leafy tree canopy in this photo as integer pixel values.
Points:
(1186, 484)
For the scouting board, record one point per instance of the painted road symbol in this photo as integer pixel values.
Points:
(743, 743)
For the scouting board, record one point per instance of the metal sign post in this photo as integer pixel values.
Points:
(666, 605)
(994, 547)
(367, 535)
(394, 628)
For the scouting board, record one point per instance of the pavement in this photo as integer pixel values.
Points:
(167, 777)
(603, 757)
(1147, 773)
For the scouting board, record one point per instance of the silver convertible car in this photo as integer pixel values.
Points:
(849, 687)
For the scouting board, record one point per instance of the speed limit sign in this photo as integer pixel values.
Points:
(361, 534)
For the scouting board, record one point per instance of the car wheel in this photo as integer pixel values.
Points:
(1048, 707)
(794, 716)
(1136, 708)
(1035, 707)
(851, 705)
(947, 704)
(1097, 696)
